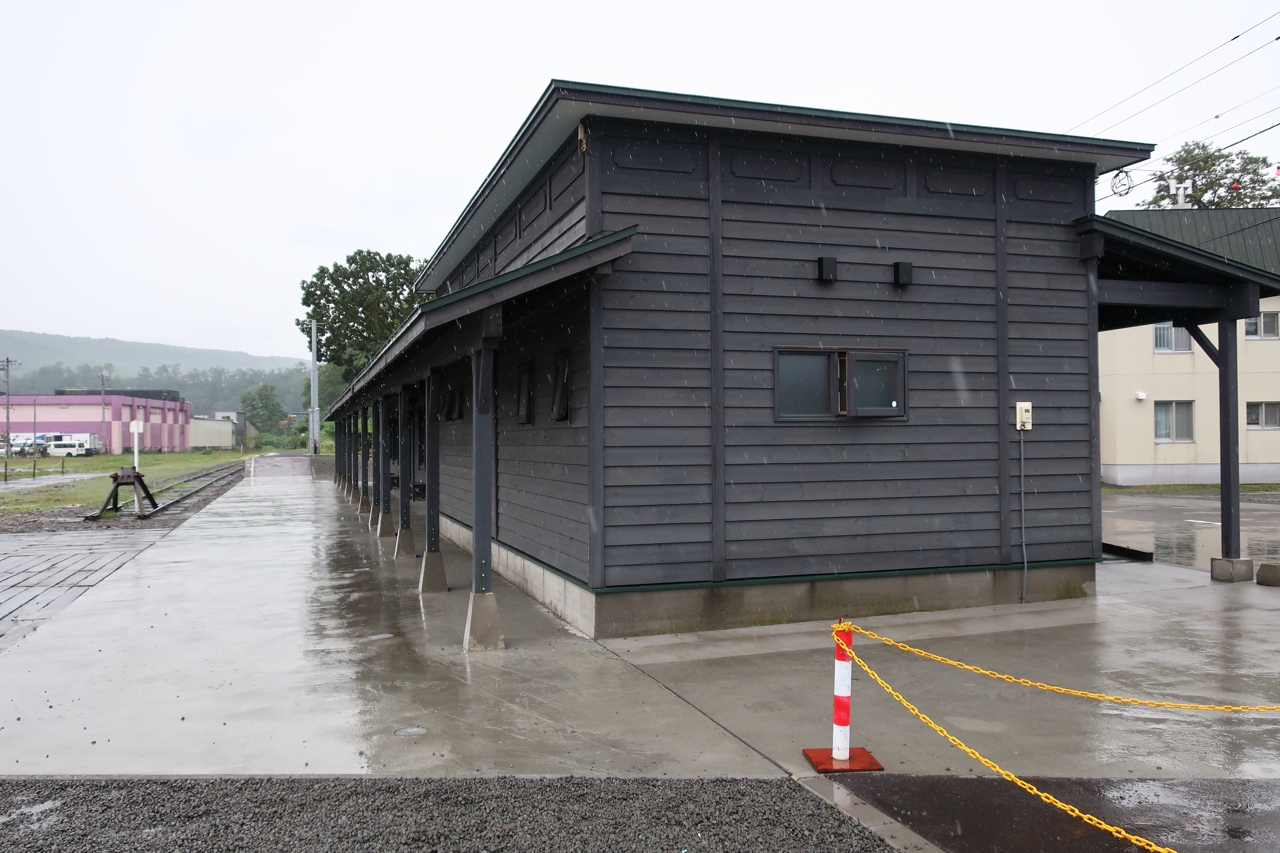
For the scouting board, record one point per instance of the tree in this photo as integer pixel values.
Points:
(358, 306)
(1218, 178)
(264, 410)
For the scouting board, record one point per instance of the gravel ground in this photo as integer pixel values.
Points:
(363, 814)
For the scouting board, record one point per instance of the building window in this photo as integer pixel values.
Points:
(820, 384)
(1172, 339)
(560, 393)
(454, 405)
(1175, 421)
(524, 395)
(1262, 415)
(1265, 326)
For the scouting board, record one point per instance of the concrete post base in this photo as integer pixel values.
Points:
(383, 524)
(1269, 574)
(483, 631)
(364, 505)
(404, 543)
(1230, 571)
(431, 578)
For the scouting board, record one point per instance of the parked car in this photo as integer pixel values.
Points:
(65, 448)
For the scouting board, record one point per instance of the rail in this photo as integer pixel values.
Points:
(201, 480)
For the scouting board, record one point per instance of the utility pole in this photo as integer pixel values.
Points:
(313, 425)
(106, 439)
(8, 364)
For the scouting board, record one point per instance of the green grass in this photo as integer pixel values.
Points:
(157, 467)
(1211, 488)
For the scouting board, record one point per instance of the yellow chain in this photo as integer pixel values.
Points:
(1136, 840)
(1066, 691)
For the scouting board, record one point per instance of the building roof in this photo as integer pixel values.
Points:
(1249, 236)
(565, 104)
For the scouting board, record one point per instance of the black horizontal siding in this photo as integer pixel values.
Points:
(656, 314)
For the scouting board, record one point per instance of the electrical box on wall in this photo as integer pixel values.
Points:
(1024, 415)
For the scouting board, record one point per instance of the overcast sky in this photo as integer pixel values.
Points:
(169, 172)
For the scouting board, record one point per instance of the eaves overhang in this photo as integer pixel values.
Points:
(1192, 264)
(565, 104)
(436, 313)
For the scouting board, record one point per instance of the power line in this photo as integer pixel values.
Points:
(1175, 71)
(1189, 85)
(1197, 160)
(1219, 115)
(1243, 123)
(1238, 230)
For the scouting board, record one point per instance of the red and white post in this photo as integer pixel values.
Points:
(841, 758)
(840, 701)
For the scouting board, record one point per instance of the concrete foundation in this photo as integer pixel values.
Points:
(641, 612)
(483, 632)
(1231, 571)
(1268, 574)
(404, 543)
(432, 577)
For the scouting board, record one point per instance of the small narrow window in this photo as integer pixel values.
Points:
(1175, 420)
(1169, 338)
(524, 398)
(560, 394)
(1262, 415)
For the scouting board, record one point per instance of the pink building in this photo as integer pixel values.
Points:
(166, 415)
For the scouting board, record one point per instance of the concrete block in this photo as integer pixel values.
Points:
(1231, 571)
(1268, 574)
(404, 543)
(483, 632)
(431, 578)
(383, 524)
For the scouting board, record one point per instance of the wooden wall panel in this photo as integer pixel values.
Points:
(549, 217)
(542, 466)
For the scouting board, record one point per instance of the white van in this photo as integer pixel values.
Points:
(65, 448)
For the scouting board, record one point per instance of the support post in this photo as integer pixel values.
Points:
(1229, 438)
(404, 530)
(385, 521)
(364, 415)
(432, 577)
(483, 630)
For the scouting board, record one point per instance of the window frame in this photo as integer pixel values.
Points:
(839, 372)
(1260, 326)
(1263, 407)
(1174, 437)
(524, 394)
(1174, 339)
(561, 402)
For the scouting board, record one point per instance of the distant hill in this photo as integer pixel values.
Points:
(37, 350)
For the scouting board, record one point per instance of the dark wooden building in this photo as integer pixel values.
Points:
(685, 362)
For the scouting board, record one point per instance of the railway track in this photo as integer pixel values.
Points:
(175, 491)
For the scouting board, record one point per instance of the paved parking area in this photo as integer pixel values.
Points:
(1185, 530)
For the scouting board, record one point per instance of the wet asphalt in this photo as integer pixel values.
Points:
(560, 815)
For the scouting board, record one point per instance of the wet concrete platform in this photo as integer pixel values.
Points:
(1186, 529)
(271, 633)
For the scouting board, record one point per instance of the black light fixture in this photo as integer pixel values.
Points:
(826, 269)
(901, 273)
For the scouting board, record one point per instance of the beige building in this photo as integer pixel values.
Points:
(1159, 407)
